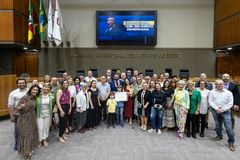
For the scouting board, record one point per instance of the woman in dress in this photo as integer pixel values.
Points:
(93, 117)
(181, 105)
(64, 109)
(27, 125)
(128, 107)
(168, 116)
(137, 87)
(144, 108)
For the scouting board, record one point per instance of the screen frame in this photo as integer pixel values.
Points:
(125, 12)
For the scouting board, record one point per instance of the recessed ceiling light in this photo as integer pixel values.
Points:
(230, 48)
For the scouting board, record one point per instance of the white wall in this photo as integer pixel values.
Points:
(181, 23)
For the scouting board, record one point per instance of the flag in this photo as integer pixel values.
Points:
(42, 20)
(50, 20)
(58, 25)
(32, 21)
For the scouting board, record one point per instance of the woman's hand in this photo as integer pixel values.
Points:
(69, 112)
(62, 114)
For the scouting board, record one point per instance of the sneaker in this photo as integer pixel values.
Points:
(231, 147)
(159, 131)
(144, 128)
(150, 130)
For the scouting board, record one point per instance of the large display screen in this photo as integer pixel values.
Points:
(126, 28)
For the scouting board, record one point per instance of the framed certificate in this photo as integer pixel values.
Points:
(121, 96)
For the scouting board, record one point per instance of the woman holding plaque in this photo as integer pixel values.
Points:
(145, 101)
(128, 108)
(159, 100)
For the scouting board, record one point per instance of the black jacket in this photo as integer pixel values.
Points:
(159, 97)
(147, 97)
(235, 91)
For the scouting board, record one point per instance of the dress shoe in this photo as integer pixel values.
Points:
(231, 147)
(194, 136)
(218, 138)
(201, 134)
(188, 134)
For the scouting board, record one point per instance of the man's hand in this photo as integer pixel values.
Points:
(219, 111)
(236, 107)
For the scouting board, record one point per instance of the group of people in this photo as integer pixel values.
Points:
(81, 103)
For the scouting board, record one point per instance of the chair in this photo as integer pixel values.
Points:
(184, 73)
(149, 72)
(95, 72)
(80, 73)
(60, 72)
(169, 71)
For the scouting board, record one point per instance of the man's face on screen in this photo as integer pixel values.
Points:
(110, 21)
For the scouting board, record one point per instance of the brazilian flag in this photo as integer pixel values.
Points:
(42, 21)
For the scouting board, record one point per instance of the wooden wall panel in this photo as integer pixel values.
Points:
(31, 63)
(6, 30)
(20, 29)
(227, 32)
(26, 63)
(228, 63)
(226, 8)
(6, 4)
(7, 84)
(21, 7)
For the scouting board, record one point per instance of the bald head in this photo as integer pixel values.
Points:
(203, 76)
(219, 84)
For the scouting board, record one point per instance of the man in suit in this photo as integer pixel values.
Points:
(111, 28)
(231, 86)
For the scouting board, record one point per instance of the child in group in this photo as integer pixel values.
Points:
(111, 109)
(119, 109)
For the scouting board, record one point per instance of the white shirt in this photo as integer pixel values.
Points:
(82, 101)
(45, 107)
(14, 98)
(88, 80)
(204, 100)
(222, 99)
